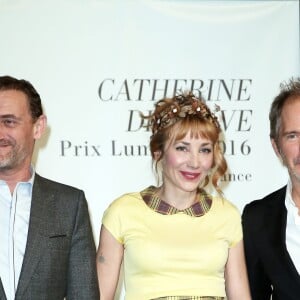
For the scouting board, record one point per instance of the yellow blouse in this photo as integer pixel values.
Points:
(176, 254)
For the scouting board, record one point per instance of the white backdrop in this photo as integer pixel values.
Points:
(97, 63)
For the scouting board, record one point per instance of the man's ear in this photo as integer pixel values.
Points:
(39, 127)
(276, 149)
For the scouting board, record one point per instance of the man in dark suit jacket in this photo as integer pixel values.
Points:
(272, 225)
(47, 248)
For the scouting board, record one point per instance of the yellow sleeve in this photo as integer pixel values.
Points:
(112, 219)
(235, 228)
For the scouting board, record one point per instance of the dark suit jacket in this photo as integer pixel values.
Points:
(270, 268)
(59, 258)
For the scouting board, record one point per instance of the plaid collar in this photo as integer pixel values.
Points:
(198, 209)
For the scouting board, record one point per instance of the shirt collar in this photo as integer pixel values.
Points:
(288, 197)
(30, 180)
(292, 209)
(198, 209)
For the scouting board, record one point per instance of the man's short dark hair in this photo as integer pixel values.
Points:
(34, 100)
(288, 90)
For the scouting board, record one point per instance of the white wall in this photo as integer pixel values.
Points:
(87, 57)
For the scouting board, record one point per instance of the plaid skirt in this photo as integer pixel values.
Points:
(189, 298)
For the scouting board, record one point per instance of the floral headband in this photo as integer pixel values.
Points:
(169, 111)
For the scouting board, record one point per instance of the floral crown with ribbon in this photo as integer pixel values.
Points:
(170, 110)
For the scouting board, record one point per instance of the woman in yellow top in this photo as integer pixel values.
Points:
(176, 240)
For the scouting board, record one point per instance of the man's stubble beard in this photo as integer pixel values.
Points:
(292, 172)
(13, 158)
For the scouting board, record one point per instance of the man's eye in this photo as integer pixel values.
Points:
(9, 122)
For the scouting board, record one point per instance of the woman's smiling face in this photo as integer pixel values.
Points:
(186, 163)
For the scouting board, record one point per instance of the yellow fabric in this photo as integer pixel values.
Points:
(176, 254)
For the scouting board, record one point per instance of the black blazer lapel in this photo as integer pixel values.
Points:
(275, 221)
(40, 226)
(275, 224)
(2, 293)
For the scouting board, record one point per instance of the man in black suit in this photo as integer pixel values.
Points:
(47, 251)
(272, 225)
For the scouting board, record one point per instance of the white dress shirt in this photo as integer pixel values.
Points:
(14, 222)
(292, 228)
